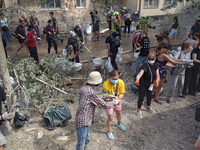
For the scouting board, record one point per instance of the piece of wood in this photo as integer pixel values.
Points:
(51, 85)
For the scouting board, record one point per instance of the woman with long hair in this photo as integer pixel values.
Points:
(162, 62)
(174, 27)
(178, 75)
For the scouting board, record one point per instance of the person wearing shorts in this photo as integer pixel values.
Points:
(4, 124)
(20, 34)
(95, 21)
(174, 29)
(116, 87)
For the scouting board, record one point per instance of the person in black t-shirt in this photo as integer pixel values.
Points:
(20, 34)
(73, 44)
(144, 45)
(112, 49)
(55, 26)
(149, 73)
(194, 86)
(4, 124)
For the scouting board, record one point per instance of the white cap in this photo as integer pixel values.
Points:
(94, 78)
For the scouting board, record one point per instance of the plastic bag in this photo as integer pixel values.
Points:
(64, 52)
(136, 54)
(132, 29)
(89, 29)
(119, 55)
(103, 31)
(108, 65)
(77, 66)
(72, 33)
(98, 62)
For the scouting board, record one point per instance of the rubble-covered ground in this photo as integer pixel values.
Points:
(173, 127)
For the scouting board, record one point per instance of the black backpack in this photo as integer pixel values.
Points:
(72, 41)
(115, 42)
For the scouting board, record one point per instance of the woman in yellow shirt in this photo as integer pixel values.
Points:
(114, 86)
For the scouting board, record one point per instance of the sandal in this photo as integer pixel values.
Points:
(157, 101)
(121, 126)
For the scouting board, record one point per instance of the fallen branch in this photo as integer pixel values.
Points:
(51, 85)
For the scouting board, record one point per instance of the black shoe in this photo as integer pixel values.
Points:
(157, 101)
(167, 100)
(62, 41)
(181, 96)
(165, 81)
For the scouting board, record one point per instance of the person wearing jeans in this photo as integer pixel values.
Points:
(88, 100)
(50, 36)
(144, 45)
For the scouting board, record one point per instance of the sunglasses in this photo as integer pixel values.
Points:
(151, 59)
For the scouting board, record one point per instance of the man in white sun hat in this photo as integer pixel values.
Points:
(88, 100)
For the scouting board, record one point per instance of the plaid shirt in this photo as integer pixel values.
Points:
(87, 102)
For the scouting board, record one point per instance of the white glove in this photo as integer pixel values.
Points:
(7, 116)
(116, 101)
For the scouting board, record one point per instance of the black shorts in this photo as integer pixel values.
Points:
(95, 28)
(20, 40)
(81, 38)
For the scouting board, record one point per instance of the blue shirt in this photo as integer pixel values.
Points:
(79, 32)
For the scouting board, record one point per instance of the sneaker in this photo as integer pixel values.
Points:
(39, 38)
(121, 126)
(94, 39)
(16, 53)
(110, 136)
(139, 114)
(167, 100)
(61, 41)
(157, 101)
(98, 39)
(151, 110)
(181, 96)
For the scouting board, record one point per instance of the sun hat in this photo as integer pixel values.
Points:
(94, 78)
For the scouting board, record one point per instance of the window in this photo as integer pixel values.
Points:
(51, 4)
(168, 2)
(81, 3)
(150, 3)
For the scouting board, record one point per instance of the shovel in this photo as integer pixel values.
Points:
(92, 55)
(128, 65)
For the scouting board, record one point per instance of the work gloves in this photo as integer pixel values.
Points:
(7, 116)
(83, 43)
(188, 63)
(137, 82)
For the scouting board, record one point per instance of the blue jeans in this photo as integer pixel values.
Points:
(83, 137)
(140, 59)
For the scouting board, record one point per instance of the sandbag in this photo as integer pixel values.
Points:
(65, 52)
(108, 65)
(88, 29)
(56, 116)
(72, 33)
(119, 55)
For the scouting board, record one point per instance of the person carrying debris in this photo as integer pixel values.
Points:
(55, 26)
(116, 87)
(144, 24)
(88, 100)
(4, 124)
(73, 44)
(49, 31)
(80, 36)
(115, 23)
(35, 22)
